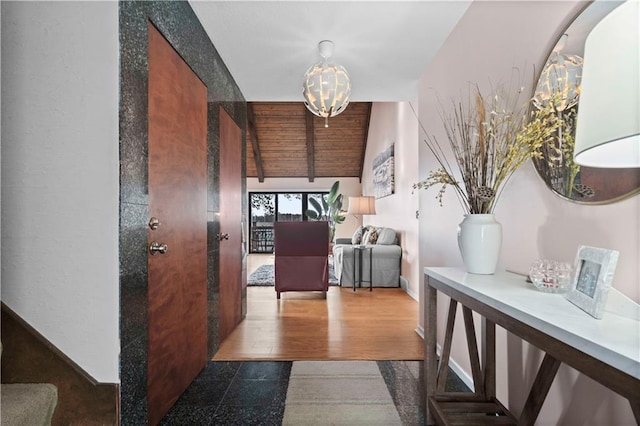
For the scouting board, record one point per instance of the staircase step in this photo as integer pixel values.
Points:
(28, 404)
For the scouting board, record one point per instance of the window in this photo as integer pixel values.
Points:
(262, 208)
(290, 207)
(265, 208)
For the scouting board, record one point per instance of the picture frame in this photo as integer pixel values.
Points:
(383, 173)
(591, 279)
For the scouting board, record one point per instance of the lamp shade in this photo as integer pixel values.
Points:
(362, 205)
(608, 123)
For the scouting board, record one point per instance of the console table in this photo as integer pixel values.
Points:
(607, 350)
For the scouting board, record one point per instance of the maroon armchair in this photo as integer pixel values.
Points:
(301, 256)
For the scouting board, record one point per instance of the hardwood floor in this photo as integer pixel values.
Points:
(377, 325)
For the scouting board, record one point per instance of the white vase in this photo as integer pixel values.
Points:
(480, 240)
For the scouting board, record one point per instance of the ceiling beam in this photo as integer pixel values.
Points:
(254, 143)
(311, 169)
(364, 139)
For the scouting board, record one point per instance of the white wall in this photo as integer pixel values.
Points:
(490, 39)
(349, 187)
(395, 123)
(60, 176)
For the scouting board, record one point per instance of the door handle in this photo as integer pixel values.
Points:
(156, 247)
(223, 237)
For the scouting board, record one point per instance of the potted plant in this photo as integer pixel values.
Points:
(330, 209)
(489, 139)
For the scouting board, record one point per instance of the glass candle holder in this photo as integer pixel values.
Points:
(551, 276)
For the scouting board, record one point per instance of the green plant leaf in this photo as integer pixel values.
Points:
(325, 205)
(333, 192)
(338, 203)
(311, 214)
(316, 205)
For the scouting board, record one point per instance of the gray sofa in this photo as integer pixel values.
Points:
(386, 257)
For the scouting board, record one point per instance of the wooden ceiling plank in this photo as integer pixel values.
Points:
(254, 144)
(284, 143)
(311, 171)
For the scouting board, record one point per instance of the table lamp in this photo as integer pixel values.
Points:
(362, 205)
(608, 123)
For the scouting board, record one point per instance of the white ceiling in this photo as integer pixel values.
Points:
(384, 45)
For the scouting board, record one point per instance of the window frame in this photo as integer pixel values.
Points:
(305, 206)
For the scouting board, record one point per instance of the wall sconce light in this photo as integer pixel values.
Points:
(608, 123)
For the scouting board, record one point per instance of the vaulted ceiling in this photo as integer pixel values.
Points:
(286, 140)
(268, 45)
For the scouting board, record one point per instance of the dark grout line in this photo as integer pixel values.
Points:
(226, 392)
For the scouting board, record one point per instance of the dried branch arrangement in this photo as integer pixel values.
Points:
(489, 138)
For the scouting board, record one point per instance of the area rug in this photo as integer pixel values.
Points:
(338, 393)
(264, 276)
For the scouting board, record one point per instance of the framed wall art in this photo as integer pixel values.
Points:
(383, 173)
(591, 280)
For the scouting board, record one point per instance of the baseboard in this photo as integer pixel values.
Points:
(455, 367)
(28, 357)
(413, 294)
(404, 284)
(464, 376)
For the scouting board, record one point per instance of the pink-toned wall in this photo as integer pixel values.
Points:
(490, 39)
(395, 123)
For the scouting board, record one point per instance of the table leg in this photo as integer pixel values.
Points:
(539, 390)
(443, 364)
(472, 345)
(430, 357)
(354, 268)
(370, 270)
(359, 268)
(488, 342)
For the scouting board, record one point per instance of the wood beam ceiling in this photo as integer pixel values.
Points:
(254, 143)
(311, 170)
(286, 140)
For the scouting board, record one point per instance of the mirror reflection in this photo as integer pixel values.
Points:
(559, 84)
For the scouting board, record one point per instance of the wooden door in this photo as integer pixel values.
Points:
(230, 224)
(177, 283)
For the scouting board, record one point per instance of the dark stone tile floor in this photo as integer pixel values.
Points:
(404, 381)
(254, 393)
(234, 393)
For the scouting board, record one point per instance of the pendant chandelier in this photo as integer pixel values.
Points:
(326, 86)
(560, 79)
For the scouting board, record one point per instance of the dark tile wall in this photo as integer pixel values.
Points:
(180, 26)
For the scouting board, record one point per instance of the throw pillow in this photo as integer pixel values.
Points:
(365, 236)
(371, 237)
(358, 235)
(386, 236)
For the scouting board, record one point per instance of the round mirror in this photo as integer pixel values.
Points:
(559, 83)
